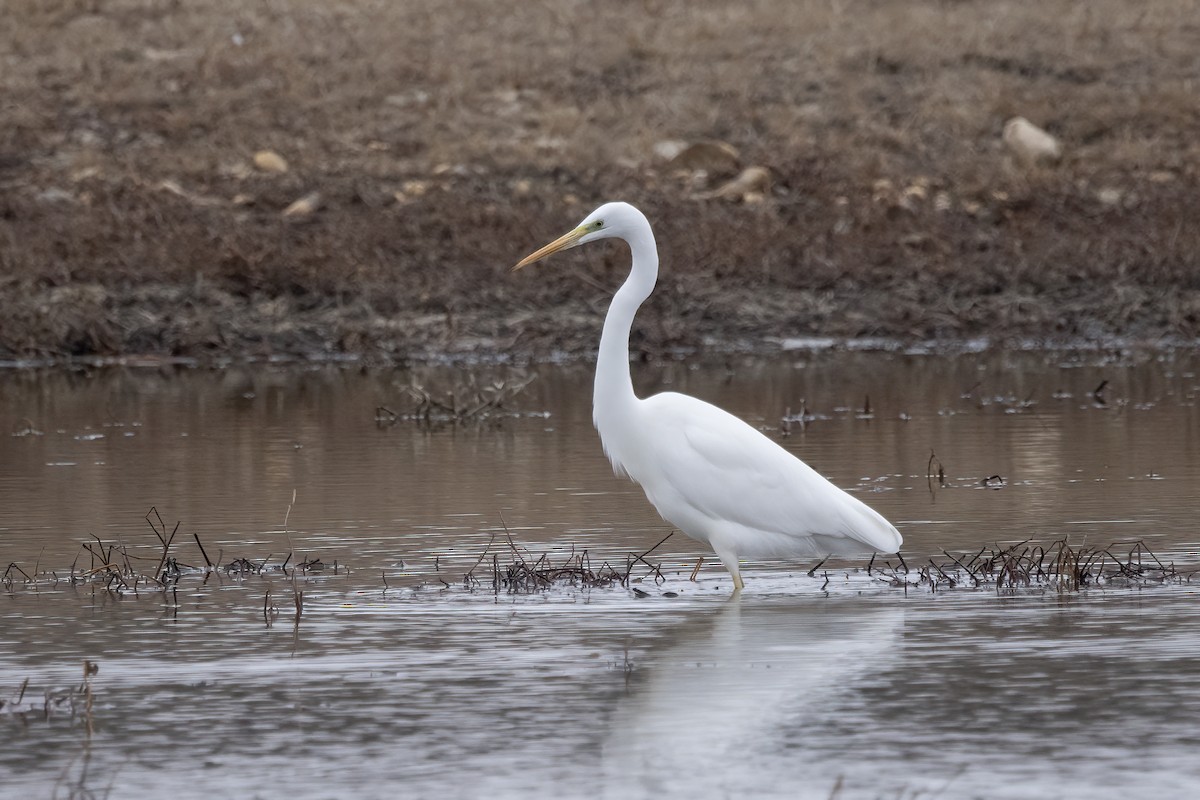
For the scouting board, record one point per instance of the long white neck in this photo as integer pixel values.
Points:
(613, 399)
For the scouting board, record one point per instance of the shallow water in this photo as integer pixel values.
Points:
(795, 689)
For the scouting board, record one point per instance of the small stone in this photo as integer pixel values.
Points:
(199, 199)
(1029, 143)
(752, 182)
(238, 171)
(174, 188)
(414, 188)
(882, 191)
(304, 207)
(416, 97)
(55, 195)
(551, 143)
(712, 156)
(154, 54)
(668, 149)
(270, 161)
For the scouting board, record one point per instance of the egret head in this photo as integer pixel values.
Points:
(607, 221)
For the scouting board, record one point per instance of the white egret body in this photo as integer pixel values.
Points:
(707, 472)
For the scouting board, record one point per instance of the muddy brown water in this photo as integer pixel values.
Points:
(801, 687)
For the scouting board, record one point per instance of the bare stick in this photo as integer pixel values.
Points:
(642, 558)
(37, 561)
(207, 562)
(166, 543)
(154, 528)
(482, 555)
(942, 572)
(288, 515)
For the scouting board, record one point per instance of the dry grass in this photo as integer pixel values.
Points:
(133, 221)
(1058, 565)
(523, 572)
(116, 568)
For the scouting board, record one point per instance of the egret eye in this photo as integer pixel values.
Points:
(598, 224)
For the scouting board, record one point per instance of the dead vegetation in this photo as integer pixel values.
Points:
(507, 567)
(421, 148)
(520, 571)
(114, 567)
(1026, 565)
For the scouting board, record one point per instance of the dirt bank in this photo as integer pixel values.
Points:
(435, 144)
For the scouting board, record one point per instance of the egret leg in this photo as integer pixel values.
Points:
(731, 564)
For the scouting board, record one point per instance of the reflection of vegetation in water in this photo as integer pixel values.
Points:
(462, 402)
(75, 702)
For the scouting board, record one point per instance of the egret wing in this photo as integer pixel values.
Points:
(717, 465)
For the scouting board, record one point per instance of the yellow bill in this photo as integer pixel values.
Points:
(562, 243)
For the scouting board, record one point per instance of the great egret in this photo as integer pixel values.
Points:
(707, 472)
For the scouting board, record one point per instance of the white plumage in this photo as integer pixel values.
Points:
(707, 472)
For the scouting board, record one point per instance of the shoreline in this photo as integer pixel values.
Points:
(763, 350)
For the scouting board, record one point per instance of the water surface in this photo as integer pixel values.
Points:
(800, 686)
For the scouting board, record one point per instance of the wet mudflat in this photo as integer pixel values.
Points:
(397, 679)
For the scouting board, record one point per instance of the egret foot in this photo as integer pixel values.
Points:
(737, 583)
